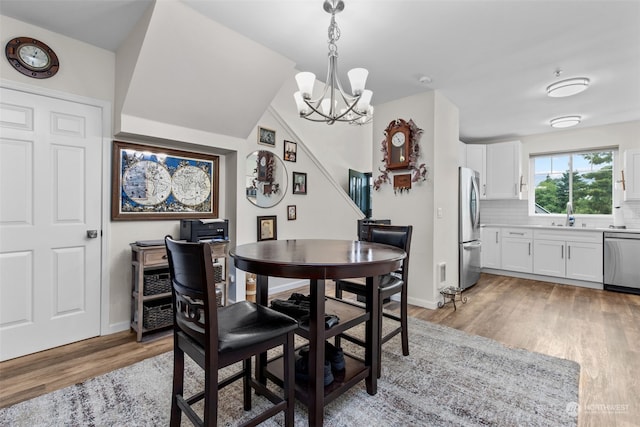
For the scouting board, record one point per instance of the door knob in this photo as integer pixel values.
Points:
(92, 234)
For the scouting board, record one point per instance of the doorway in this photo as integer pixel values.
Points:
(50, 222)
(360, 190)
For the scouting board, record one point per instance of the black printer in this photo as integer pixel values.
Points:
(197, 230)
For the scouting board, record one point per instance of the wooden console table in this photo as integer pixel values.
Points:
(151, 309)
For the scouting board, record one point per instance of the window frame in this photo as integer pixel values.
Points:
(531, 194)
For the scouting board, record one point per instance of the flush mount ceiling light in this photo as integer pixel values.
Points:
(565, 122)
(568, 87)
(334, 105)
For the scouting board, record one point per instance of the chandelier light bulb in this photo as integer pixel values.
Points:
(357, 79)
(305, 81)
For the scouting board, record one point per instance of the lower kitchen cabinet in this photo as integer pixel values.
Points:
(517, 250)
(490, 248)
(549, 258)
(584, 261)
(571, 254)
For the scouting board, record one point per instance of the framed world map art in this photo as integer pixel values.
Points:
(162, 183)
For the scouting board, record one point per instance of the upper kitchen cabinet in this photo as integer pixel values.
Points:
(499, 167)
(477, 160)
(632, 174)
(503, 170)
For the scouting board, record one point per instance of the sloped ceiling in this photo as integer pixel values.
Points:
(192, 72)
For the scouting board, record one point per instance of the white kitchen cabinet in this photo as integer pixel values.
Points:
(549, 257)
(571, 254)
(584, 261)
(477, 160)
(503, 170)
(632, 174)
(490, 249)
(516, 250)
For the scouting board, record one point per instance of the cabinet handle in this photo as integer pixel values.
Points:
(568, 252)
(496, 237)
(514, 233)
(529, 248)
(562, 252)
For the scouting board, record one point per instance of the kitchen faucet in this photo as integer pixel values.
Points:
(570, 218)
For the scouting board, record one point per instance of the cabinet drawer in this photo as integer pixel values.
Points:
(218, 250)
(155, 257)
(576, 235)
(523, 233)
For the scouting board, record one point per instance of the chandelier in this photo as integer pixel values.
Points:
(334, 105)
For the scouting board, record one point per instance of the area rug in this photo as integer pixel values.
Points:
(450, 379)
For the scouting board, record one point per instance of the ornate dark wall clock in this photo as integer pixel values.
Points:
(32, 57)
(398, 137)
(400, 151)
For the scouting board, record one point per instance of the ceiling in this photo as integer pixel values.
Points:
(492, 59)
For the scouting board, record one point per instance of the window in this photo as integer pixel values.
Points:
(583, 178)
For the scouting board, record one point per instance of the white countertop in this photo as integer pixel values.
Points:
(562, 227)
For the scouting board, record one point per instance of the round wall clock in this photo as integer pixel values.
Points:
(32, 57)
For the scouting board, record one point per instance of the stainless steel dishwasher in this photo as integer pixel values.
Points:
(622, 262)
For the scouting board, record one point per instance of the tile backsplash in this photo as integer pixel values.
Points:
(516, 212)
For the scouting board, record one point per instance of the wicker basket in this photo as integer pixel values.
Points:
(157, 314)
(159, 283)
(217, 273)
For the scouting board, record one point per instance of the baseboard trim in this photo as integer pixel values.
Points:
(549, 279)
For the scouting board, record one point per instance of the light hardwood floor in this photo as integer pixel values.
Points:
(600, 330)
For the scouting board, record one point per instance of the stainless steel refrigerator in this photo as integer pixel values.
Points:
(469, 227)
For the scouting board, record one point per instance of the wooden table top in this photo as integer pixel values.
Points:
(317, 258)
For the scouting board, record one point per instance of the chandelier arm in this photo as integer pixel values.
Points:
(339, 118)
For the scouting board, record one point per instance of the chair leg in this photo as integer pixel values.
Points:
(178, 386)
(338, 293)
(246, 383)
(380, 316)
(289, 381)
(403, 321)
(211, 397)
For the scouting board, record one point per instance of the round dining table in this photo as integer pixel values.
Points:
(319, 260)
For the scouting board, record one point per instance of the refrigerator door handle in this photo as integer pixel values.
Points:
(471, 246)
(476, 191)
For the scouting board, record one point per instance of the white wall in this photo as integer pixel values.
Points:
(85, 70)
(434, 239)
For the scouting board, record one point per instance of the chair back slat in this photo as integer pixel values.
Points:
(194, 299)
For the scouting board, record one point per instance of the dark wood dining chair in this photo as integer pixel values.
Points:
(390, 284)
(215, 337)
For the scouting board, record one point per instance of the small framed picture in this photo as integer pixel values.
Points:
(266, 136)
(290, 151)
(299, 183)
(291, 212)
(267, 228)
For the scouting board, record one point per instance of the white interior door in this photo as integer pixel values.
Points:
(50, 197)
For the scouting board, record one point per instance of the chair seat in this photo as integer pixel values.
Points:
(244, 324)
(387, 283)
